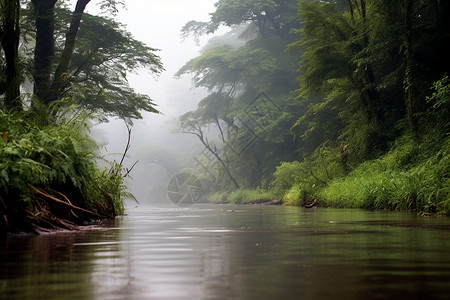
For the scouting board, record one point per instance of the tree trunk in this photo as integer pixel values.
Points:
(369, 79)
(409, 72)
(443, 13)
(370, 95)
(10, 45)
(60, 79)
(44, 50)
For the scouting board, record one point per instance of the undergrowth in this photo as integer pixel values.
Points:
(409, 172)
(41, 163)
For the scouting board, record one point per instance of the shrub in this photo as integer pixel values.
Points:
(294, 196)
(285, 176)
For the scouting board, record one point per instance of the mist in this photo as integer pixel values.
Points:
(155, 145)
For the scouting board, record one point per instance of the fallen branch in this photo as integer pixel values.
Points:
(67, 199)
(312, 204)
(41, 192)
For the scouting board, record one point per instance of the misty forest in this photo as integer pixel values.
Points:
(336, 103)
(279, 149)
(330, 103)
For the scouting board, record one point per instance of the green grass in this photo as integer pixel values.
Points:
(407, 178)
(412, 176)
(295, 196)
(241, 196)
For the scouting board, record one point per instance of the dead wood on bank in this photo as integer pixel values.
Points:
(54, 211)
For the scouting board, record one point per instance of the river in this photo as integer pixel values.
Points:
(235, 252)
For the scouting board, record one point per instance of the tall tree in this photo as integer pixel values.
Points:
(409, 69)
(44, 50)
(85, 63)
(48, 89)
(60, 80)
(9, 37)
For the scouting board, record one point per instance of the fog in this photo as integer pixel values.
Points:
(158, 24)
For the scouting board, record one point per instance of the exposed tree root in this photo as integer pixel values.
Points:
(50, 197)
(312, 204)
(53, 211)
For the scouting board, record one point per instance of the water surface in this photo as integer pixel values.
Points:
(235, 252)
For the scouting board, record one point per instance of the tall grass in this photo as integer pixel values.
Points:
(413, 175)
(405, 178)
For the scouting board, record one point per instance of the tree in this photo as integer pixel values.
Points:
(333, 80)
(104, 55)
(242, 69)
(9, 37)
(190, 123)
(269, 17)
(44, 48)
(85, 63)
(366, 69)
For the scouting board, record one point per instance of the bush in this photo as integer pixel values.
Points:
(294, 196)
(285, 176)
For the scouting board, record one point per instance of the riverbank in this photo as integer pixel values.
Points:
(49, 178)
(413, 176)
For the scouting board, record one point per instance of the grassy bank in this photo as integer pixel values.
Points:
(49, 177)
(241, 196)
(411, 176)
(399, 171)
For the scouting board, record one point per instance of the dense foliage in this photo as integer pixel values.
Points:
(39, 164)
(358, 96)
(56, 56)
(251, 78)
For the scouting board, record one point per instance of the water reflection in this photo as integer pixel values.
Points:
(235, 252)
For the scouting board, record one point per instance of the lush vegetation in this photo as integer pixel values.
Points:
(345, 103)
(49, 177)
(56, 74)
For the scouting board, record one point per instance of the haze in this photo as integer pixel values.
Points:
(158, 24)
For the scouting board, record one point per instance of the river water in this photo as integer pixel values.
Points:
(235, 252)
